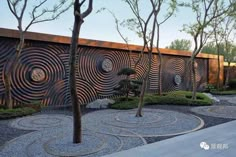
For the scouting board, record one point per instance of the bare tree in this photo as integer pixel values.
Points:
(223, 28)
(148, 39)
(126, 24)
(147, 28)
(37, 15)
(206, 11)
(79, 17)
(171, 9)
(229, 43)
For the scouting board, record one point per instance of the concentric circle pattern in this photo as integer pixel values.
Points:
(43, 72)
(57, 95)
(26, 89)
(90, 68)
(53, 137)
(6, 50)
(41, 122)
(85, 91)
(153, 123)
(174, 67)
(217, 111)
(142, 65)
(154, 75)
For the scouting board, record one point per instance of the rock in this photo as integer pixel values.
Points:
(212, 97)
(100, 103)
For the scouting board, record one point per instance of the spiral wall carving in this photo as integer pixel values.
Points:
(43, 72)
(90, 68)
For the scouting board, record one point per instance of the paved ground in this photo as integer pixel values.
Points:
(231, 99)
(153, 123)
(104, 132)
(108, 131)
(217, 141)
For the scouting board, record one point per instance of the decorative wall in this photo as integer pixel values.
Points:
(232, 73)
(43, 69)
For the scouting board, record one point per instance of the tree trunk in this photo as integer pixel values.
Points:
(144, 86)
(12, 65)
(227, 76)
(141, 100)
(193, 72)
(218, 71)
(8, 97)
(77, 131)
(160, 74)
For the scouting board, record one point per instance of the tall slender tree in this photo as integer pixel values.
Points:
(39, 13)
(229, 43)
(79, 17)
(148, 29)
(172, 6)
(205, 12)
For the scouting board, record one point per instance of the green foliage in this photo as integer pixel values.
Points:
(224, 92)
(15, 112)
(36, 105)
(178, 98)
(127, 85)
(171, 98)
(232, 84)
(210, 48)
(122, 104)
(210, 87)
(126, 71)
(180, 44)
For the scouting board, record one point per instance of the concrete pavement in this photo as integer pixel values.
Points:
(217, 141)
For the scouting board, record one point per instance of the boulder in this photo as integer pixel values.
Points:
(100, 103)
(212, 97)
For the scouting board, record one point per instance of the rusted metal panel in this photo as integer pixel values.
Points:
(43, 70)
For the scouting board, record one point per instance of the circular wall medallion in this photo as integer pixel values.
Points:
(107, 65)
(37, 75)
(177, 79)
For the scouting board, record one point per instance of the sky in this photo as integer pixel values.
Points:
(101, 26)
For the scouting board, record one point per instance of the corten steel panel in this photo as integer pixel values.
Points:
(232, 73)
(213, 68)
(178, 67)
(93, 82)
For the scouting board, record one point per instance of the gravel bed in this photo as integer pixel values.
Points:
(8, 133)
(208, 120)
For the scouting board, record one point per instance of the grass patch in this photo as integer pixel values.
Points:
(178, 98)
(171, 98)
(122, 104)
(16, 112)
(224, 92)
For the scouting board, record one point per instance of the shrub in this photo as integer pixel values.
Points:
(127, 85)
(171, 98)
(36, 105)
(15, 112)
(209, 88)
(122, 103)
(232, 84)
(224, 92)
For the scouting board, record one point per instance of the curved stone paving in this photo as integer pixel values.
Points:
(104, 132)
(40, 122)
(230, 99)
(54, 138)
(153, 123)
(216, 111)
